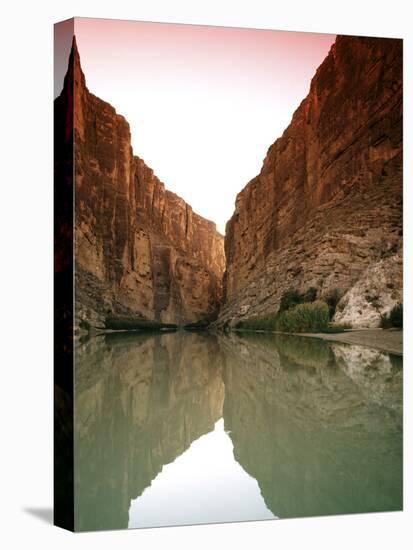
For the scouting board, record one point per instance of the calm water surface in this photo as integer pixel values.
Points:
(185, 428)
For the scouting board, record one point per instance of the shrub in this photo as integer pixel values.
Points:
(291, 317)
(290, 299)
(335, 328)
(123, 322)
(307, 317)
(394, 318)
(198, 325)
(226, 327)
(310, 295)
(267, 322)
(332, 298)
(385, 321)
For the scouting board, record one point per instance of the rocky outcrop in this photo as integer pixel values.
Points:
(140, 251)
(375, 293)
(325, 210)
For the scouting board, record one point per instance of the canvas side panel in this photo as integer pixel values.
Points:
(63, 279)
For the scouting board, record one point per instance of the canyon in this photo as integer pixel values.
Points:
(142, 256)
(324, 213)
(317, 425)
(326, 209)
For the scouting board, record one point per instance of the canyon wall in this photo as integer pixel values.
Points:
(141, 253)
(325, 210)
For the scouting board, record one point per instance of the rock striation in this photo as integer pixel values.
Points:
(140, 251)
(325, 210)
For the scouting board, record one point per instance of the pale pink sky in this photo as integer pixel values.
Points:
(204, 103)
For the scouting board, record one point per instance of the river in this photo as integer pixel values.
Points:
(193, 427)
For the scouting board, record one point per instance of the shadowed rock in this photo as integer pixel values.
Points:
(140, 250)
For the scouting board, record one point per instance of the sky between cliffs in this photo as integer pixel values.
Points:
(203, 103)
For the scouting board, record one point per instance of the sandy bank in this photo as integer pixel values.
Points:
(384, 340)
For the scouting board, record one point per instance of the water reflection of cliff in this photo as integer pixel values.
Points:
(318, 425)
(140, 402)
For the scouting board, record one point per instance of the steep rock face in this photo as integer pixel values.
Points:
(184, 249)
(326, 206)
(140, 250)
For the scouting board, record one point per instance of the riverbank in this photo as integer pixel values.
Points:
(383, 340)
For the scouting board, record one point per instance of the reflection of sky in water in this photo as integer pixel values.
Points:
(204, 485)
(313, 428)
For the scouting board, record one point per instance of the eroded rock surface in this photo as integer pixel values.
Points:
(140, 250)
(325, 210)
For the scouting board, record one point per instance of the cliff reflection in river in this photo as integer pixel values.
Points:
(318, 425)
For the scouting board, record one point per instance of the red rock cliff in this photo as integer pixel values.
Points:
(140, 250)
(325, 210)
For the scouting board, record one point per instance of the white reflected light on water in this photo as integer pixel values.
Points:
(203, 485)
